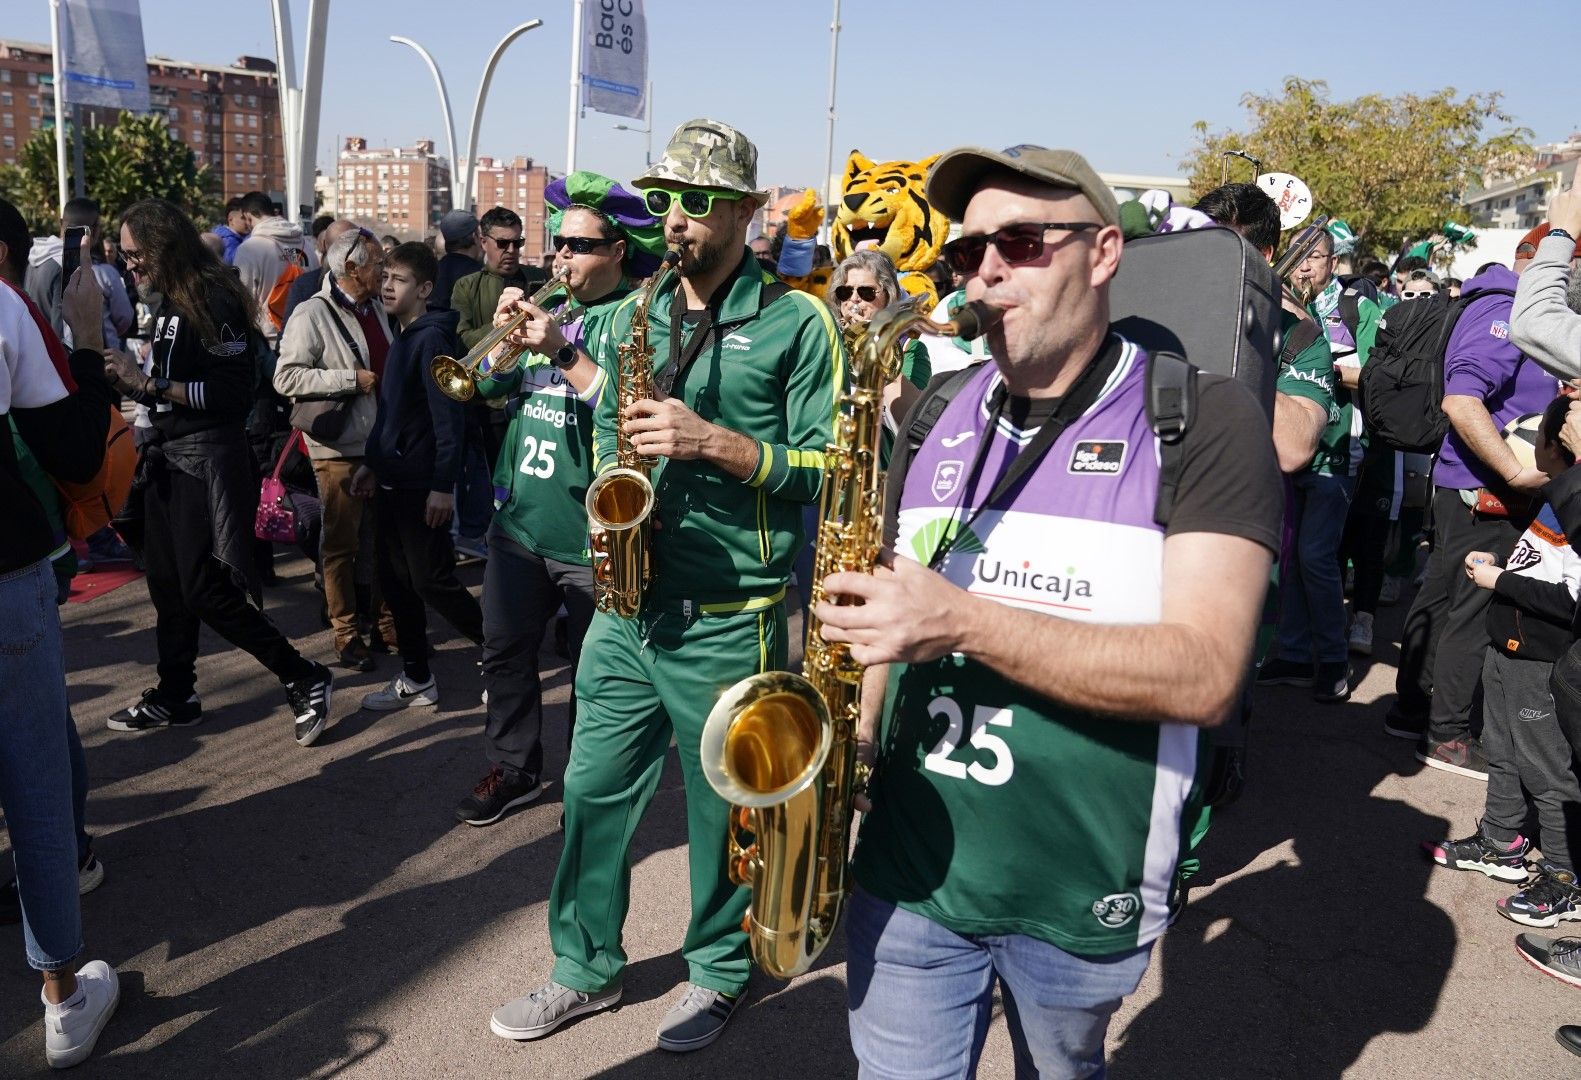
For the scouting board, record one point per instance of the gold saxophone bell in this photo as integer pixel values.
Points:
(458, 379)
(781, 747)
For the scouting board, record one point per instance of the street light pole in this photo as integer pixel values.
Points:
(461, 174)
(828, 161)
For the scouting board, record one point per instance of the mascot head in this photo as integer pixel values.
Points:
(884, 205)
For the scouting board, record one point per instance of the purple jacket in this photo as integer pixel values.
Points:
(1481, 362)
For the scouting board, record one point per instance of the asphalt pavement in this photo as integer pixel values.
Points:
(282, 912)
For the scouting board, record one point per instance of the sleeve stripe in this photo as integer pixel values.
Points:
(805, 459)
(595, 389)
(765, 463)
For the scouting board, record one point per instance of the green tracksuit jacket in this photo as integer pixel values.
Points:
(771, 373)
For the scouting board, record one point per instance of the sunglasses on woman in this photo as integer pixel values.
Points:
(868, 293)
(1016, 244)
(579, 245)
(694, 201)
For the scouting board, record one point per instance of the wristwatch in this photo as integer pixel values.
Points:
(159, 388)
(565, 356)
(1563, 233)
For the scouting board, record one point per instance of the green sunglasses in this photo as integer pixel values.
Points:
(695, 202)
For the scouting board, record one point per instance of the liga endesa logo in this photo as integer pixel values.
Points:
(1104, 457)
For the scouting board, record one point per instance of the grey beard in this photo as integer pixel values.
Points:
(1573, 293)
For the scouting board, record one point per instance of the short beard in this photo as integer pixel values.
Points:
(705, 259)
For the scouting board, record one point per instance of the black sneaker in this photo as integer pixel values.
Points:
(1284, 673)
(1552, 898)
(1569, 1037)
(309, 700)
(496, 795)
(1559, 957)
(1331, 683)
(1502, 862)
(90, 875)
(1401, 726)
(1461, 756)
(155, 710)
(356, 656)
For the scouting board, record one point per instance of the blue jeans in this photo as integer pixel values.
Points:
(920, 997)
(1312, 597)
(35, 767)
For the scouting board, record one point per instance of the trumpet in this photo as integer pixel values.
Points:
(1304, 244)
(458, 379)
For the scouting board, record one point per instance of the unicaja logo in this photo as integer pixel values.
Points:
(993, 571)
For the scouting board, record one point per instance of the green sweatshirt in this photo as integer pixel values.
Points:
(546, 462)
(771, 373)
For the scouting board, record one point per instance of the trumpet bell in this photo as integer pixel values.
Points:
(766, 740)
(452, 378)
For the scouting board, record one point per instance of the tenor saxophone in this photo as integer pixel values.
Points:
(620, 501)
(781, 747)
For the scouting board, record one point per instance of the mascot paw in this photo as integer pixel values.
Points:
(803, 220)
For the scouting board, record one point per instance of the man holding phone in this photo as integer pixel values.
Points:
(50, 266)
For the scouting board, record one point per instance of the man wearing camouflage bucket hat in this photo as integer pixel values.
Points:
(747, 372)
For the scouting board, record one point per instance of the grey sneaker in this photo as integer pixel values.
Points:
(1559, 957)
(546, 1008)
(698, 1019)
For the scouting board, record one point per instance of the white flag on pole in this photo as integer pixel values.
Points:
(615, 58)
(103, 60)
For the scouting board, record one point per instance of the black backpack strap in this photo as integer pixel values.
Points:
(1350, 311)
(1301, 337)
(936, 397)
(1171, 406)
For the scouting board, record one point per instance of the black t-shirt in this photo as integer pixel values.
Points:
(1229, 476)
(220, 374)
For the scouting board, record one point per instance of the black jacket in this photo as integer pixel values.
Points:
(219, 374)
(416, 438)
(453, 266)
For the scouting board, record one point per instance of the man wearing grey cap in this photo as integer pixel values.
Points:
(463, 255)
(746, 375)
(1051, 637)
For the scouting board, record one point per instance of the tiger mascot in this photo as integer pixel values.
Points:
(883, 205)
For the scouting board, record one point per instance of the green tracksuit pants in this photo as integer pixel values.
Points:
(639, 680)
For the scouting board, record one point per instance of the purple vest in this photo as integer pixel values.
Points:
(1076, 536)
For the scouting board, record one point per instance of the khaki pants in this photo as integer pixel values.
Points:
(344, 521)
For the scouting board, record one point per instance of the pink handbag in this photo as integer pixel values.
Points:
(276, 520)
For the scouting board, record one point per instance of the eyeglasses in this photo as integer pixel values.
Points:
(579, 245)
(1417, 293)
(869, 293)
(502, 243)
(694, 202)
(132, 255)
(1016, 244)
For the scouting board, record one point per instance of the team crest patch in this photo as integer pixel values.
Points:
(1103, 456)
(1116, 909)
(1500, 329)
(947, 479)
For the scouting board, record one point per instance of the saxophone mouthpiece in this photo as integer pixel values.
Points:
(976, 319)
(671, 256)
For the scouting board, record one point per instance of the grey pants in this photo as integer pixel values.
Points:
(1526, 749)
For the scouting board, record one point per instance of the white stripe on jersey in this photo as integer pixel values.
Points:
(1173, 774)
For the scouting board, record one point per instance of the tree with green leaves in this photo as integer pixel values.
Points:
(1393, 167)
(134, 158)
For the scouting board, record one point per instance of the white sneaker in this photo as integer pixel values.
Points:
(72, 1028)
(401, 692)
(1361, 634)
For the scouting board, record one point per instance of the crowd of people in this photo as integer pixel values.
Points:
(260, 350)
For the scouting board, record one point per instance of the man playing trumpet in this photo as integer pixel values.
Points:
(604, 240)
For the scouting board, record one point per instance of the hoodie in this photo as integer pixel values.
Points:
(262, 257)
(43, 286)
(233, 240)
(416, 438)
(1541, 323)
(1481, 361)
(1534, 600)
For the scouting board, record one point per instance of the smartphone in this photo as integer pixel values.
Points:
(71, 254)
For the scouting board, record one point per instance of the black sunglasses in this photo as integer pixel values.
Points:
(579, 245)
(1016, 244)
(869, 293)
(502, 243)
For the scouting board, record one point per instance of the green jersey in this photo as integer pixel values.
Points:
(771, 372)
(1310, 375)
(546, 463)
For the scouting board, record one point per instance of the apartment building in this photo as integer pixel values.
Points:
(519, 186)
(228, 114)
(406, 189)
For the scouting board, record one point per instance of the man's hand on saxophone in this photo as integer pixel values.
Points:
(664, 427)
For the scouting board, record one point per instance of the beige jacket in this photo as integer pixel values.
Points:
(315, 363)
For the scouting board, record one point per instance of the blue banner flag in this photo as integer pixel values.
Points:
(103, 60)
(615, 58)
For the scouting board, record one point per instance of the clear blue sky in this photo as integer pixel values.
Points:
(1121, 82)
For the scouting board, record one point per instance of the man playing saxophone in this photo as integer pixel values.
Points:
(604, 241)
(1042, 651)
(746, 375)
